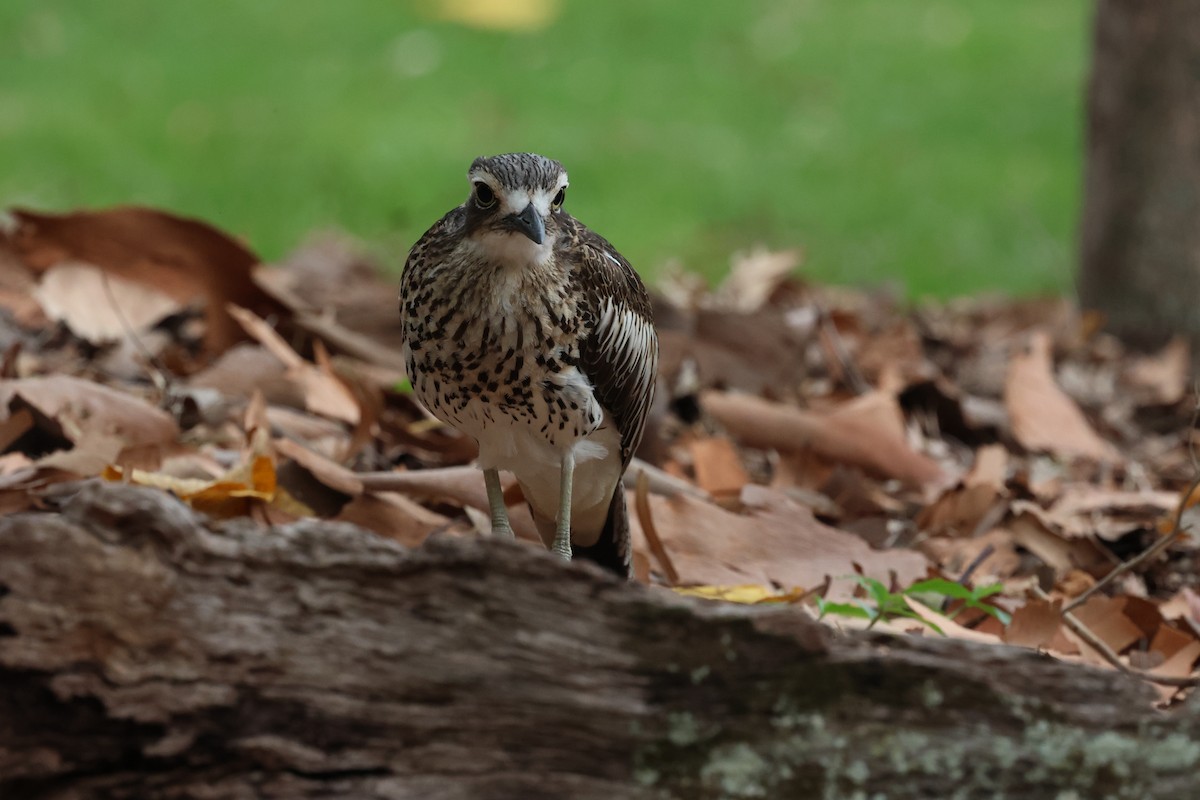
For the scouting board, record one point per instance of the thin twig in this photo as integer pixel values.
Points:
(1106, 652)
(641, 497)
(975, 562)
(850, 371)
(1177, 530)
(658, 481)
(661, 482)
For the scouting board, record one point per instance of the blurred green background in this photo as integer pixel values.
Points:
(930, 143)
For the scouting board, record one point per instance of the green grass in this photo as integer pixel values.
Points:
(934, 143)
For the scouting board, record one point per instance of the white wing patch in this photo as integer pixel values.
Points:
(629, 343)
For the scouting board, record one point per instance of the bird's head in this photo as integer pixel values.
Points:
(512, 212)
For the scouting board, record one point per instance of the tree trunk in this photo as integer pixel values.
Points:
(147, 655)
(1141, 219)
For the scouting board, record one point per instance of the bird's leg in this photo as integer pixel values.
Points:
(495, 492)
(562, 534)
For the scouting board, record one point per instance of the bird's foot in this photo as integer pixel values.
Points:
(562, 547)
(501, 527)
(562, 527)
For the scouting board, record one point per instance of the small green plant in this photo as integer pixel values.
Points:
(883, 604)
(972, 598)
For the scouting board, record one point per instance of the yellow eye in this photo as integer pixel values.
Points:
(484, 196)
(560, 197)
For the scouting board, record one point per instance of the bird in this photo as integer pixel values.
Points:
(529, 332)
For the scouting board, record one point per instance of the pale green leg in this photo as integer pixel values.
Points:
(562, 535)
(500, 524)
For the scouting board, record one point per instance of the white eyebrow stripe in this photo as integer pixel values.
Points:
(514, 202)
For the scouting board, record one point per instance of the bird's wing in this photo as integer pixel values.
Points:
(619, 354)
(432, 248)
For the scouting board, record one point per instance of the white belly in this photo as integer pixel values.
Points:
(537, 465)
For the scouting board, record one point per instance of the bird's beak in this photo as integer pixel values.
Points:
(530, 223)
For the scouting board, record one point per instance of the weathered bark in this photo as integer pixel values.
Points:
(1141, 220)
(145, 655)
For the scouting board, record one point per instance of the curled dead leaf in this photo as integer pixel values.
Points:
(85, 405)
(1034, 624)
(1042, 416)
(323, 392)
(184, 259)
(867, 431)
(776, 542)
(718, 466)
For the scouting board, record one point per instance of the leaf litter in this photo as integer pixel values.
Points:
(997, 470)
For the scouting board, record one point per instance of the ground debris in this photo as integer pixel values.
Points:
(843, 447)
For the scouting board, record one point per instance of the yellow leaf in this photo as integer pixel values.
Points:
(748, 594)
(231, 495)
(181, 487)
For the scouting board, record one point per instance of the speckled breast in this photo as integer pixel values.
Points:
(477, 369)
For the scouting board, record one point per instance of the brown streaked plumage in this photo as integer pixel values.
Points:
(531, 333)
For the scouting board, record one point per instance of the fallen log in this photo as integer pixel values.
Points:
(146, 652)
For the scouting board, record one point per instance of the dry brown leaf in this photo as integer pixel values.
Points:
(1063, 555)
(954, 554)
(1179, 665)
(241, 370)
(1183, 606)
(185, 259)
(329, 472)
(1088, 510)
(947, 625)
(100, 307)
(754, 353)
(461, 486)
(1169, 640)
(323, 392)
(718, 466)
(1164, 375)
(776, 541)
(754, 277)
(1034, 624)
(333, 289)
(368, 398)
(14, 464)
(16, 290)
(13, 501)
(316, 433)
(867, 431)
(852, 495)
(958, 511)
(19, 422)
(1104, 616)
(86, 408)
(393, 516)
(1074, 583)
(1042, 416)
(92, 453)
(1142, 612)
(990, 468)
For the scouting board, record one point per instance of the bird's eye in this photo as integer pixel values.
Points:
(560, 197)
(484, 195)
